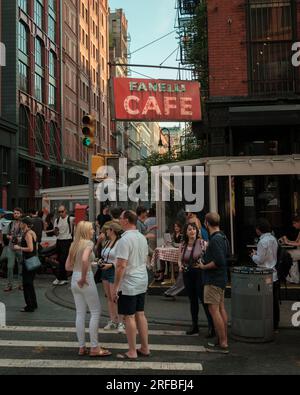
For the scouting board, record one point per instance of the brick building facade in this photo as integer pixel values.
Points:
(251, 107)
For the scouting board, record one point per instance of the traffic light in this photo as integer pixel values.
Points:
(88, 130)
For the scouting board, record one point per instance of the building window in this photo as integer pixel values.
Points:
(39, 134)
(52, 5)
(23, 38)
(23, 5)
(52, 140)
(51, 28)
(271, 37)
(38, 53)
(52, 65)
(23, 172)
(23, 127)
(38, 13)
(38, 87)
(23, 77)
(52, 97)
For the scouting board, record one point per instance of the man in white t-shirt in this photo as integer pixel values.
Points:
(131, 282)
(63, 229)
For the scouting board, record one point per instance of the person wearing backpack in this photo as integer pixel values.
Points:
(266, 257)
(63, 229)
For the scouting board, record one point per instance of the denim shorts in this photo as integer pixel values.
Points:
(108, 275)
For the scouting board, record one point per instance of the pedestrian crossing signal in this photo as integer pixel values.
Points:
(88, 130)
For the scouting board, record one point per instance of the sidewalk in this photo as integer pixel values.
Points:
(57, 303)
(161, 310)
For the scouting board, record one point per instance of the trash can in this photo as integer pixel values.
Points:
(252, 304)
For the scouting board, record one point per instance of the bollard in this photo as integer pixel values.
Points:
(2, 315)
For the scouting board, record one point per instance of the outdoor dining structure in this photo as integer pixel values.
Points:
(241, 189)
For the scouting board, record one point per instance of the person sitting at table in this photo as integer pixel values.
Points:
(294, 276)
(191, 250)
(177, 233)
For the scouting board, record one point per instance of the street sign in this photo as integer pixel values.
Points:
(156, 100)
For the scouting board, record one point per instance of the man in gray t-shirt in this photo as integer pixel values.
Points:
(130, 286)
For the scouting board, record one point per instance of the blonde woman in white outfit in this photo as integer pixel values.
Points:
(84, 289)
(294, 275)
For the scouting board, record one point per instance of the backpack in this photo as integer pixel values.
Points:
(71, 231)
(284, 264)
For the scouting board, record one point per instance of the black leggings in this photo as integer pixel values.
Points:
(195, 289)
(28, 288)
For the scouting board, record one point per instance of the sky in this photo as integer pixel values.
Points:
(149, 20)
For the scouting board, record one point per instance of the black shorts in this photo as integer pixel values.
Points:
(129, 305)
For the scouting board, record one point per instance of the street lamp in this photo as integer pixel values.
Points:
(160, 143)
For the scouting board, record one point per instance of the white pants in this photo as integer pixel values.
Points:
(86, 297)
(294, 275)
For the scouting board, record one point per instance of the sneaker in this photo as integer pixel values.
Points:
(110, 326)
(121, 327)
(218, 349)
(56, 282)
(192, 331)
(8, 288)
(63, 282)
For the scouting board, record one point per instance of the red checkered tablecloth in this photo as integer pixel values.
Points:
(169, 254)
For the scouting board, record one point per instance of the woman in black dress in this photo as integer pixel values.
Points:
(28, 249)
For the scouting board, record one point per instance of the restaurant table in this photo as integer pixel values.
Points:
(168, 254)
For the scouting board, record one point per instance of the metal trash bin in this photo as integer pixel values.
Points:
(252, 304)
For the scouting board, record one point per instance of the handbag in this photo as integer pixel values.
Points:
(32, 263)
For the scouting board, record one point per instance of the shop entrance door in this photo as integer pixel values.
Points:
(261, 197)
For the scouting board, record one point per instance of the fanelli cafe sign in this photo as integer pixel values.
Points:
(156, 100)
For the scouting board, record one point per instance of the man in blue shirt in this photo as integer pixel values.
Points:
(214, 266)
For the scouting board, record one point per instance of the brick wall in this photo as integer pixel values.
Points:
(227, 48)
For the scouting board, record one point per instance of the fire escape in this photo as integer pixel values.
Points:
(186, 10)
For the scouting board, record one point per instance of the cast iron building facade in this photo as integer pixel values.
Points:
(31, 96)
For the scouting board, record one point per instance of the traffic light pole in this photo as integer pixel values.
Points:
(91, 190)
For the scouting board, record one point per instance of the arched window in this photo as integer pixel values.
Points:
(23, 38)
(38, 52)
(52, 64)
(39, 134)
(23, 127)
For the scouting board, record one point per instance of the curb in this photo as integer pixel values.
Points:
(52, 297)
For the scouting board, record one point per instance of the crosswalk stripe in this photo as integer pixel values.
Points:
(118, 346)
(50, 329)
(69, 364)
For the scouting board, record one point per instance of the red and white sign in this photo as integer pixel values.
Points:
(156, 100)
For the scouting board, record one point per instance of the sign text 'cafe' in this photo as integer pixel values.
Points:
(156, 100)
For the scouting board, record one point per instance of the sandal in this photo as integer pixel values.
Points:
(126, 357)
(8, 288)
(142, 354)
(101, 353)
(83, 351)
